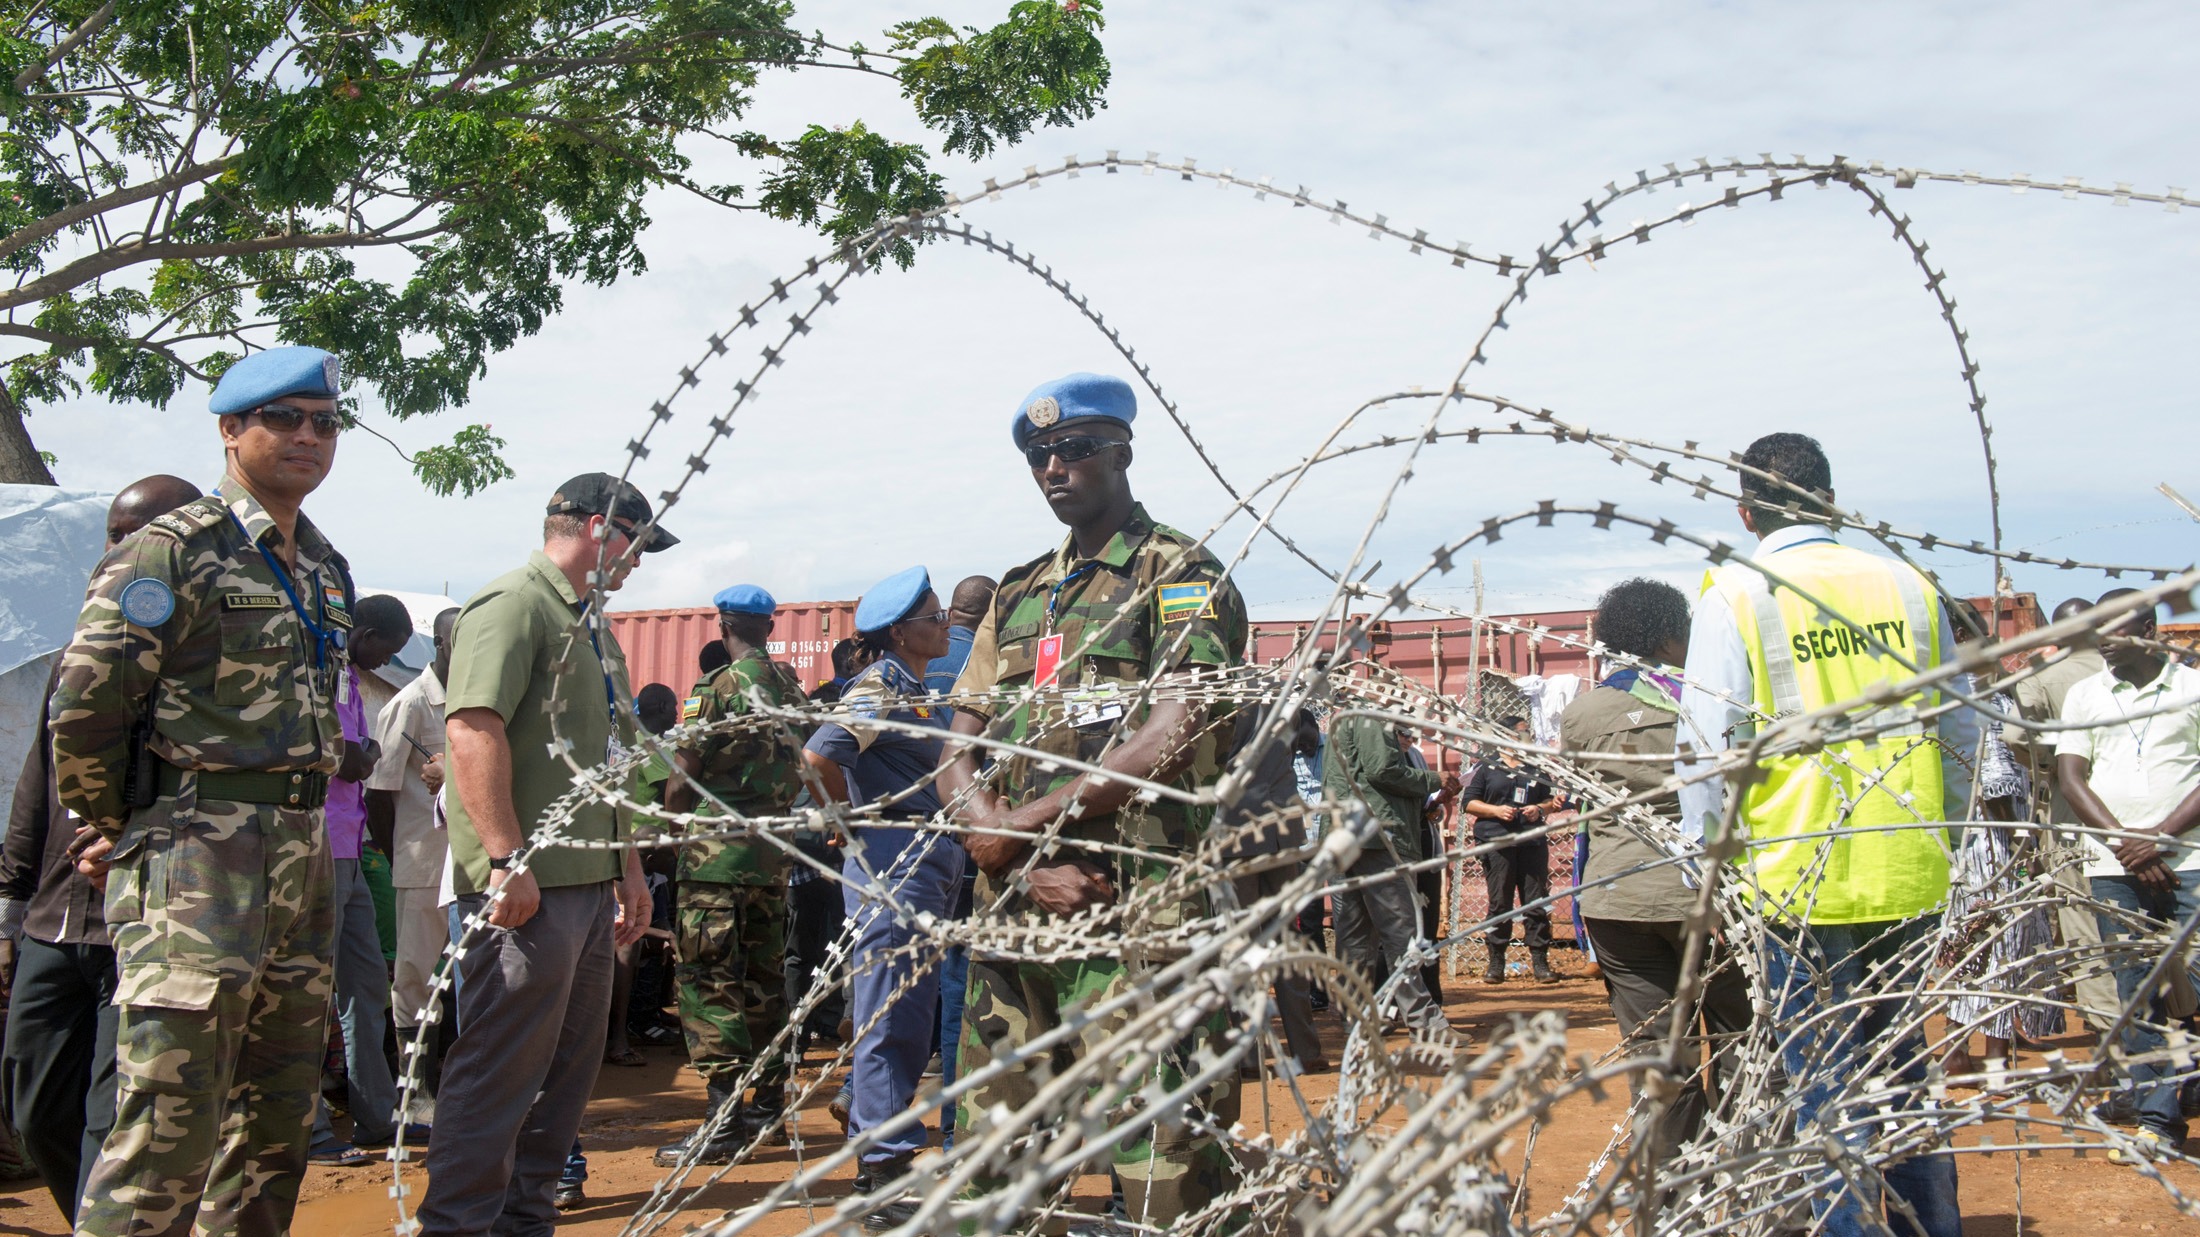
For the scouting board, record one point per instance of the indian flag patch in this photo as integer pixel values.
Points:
(1184, 602)
(691, 708)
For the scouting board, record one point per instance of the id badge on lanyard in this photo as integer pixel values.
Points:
(1047, 665)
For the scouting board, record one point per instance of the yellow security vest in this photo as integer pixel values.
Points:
(1802, 658)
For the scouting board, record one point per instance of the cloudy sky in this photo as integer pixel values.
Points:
(882, 441)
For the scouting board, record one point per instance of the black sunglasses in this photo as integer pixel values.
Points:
(284, 419)
(1070, 450)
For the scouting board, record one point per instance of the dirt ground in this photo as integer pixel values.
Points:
(635, 1110)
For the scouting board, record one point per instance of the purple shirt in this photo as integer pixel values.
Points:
(347, 801)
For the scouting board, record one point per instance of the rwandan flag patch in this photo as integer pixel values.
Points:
(1184, 602)
(691, 708)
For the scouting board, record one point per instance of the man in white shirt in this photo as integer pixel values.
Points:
(2135, 770)
(401, 815)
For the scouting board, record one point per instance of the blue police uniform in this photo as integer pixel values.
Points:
(921, 871)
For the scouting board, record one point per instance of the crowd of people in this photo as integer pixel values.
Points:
(224, 786)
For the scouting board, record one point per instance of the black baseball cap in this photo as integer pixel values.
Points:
(600, 493)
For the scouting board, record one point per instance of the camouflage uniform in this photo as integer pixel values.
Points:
(731, 912)
(1151, 602)
(220, 908)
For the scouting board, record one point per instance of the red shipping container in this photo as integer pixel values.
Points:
(661, 645)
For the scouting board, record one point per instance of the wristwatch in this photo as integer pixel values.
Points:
(500, 864)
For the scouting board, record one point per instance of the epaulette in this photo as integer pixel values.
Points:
(190, 519)
(1024, 571)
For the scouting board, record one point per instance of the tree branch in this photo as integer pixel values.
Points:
(86, 269)
(32, 233)
(75, 39)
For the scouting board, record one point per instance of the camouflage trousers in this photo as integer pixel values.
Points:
(223, 921)
(1167, 1171)
(732, 941)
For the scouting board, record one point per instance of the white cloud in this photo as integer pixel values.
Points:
(882, 440)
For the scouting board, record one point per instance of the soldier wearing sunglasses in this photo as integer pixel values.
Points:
(1123, 599)
(195, 728)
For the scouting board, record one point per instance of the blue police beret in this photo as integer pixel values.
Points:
(890, 600)
(1067, 399)
(745, 599)
(274, 373)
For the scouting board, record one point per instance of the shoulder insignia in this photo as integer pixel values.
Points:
(1181, 603)
(147, 602)
(190, 519)
(1635, 718)
(251, 601)
(691, 708)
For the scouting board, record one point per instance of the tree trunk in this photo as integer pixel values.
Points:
(19, 459)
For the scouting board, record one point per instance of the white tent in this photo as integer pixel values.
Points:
(50, 539)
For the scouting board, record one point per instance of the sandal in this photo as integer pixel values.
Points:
(338, 1155)
(624, 1056)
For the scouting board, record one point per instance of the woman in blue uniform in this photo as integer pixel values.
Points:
(901, 620)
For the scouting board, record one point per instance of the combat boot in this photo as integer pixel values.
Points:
(1495, 974)
(883, 1181)
(719, 1150)
(1540, 959)
(766, 1114)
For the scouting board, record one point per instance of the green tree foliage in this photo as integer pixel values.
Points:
(412, 183)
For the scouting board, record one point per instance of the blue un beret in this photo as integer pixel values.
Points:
(1067, 399)
(745, 599)
(890, 600)
(274, 373)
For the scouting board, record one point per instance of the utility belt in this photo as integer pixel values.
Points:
(302, 791)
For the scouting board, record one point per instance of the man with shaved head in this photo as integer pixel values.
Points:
(966, 609)
(141, 500)
(59, 1064)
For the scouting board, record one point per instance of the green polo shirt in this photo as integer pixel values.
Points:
(502, 654)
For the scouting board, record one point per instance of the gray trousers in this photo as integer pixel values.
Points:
(534, 1005)
(1292, 998)
(1376, 924)
(362, 1007)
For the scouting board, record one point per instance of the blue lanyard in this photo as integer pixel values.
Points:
(1056, 595)
(610, 696)
(323, 638)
